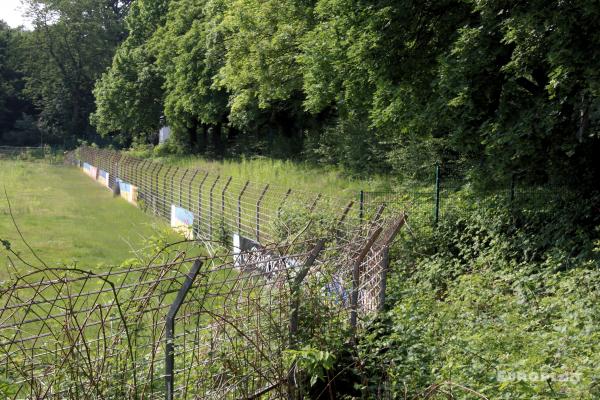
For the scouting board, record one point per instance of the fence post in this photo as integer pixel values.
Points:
(383, 277)
(262, 195)
(223, 205)
(131, 163)
(155, 180)
(135, 165)
(210, 207)
(143, 173)
(314, 204)
(91, 159)
(129, 167)
(361, 209)
(437, 194)
(342, 219)
(108, 166)
(151, 173)
(155, 191)
(170, 329)
(190, 183)
(181, 186)
(139, 173)
(200, 202)
(117, 169)
(294, 316)
(105, 161)
(287, 194)
(239, 206)
(123, 168)
(295, 289)
(133, 170)
(113, 170)
(127, 171)
(162, 195)
(172, 188)
(388, 237)
(356, 281)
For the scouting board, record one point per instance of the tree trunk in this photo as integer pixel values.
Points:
(204, 139)
(193, 134)
(75, 117)
(216, 139)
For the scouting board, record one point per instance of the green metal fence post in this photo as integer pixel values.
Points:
(361, 210)
(512, 188)
(170, 329)
(437, 194)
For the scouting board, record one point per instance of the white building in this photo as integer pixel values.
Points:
(164, 134)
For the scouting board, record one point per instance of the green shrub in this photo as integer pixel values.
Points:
(496, 300)
(165, 149)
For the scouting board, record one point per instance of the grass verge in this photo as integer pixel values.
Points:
(68, 218)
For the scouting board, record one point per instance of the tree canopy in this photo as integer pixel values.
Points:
(60, 60)
(17, 123)
(391, 85)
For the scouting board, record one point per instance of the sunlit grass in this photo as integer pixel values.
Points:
(68, 218)
(330, 181)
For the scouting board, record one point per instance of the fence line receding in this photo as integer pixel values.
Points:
(293, 271)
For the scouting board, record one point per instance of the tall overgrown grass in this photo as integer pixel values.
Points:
(327, 180)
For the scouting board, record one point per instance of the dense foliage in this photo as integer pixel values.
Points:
(500, 88)
(373, 86)
(57, 64)
(17, 123)
(393, 85)
(497, 302)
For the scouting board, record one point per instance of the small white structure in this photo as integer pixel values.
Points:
(164, 134)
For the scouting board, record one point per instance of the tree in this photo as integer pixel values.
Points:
(129, 95)
(519, 88)
(376, 86)
(261, 70)
(70, 46)
(190, 52)
(374, 64)
(17, 126)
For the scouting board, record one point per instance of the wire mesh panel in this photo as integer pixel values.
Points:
(71, 333)
(77, 334)
(219, 205)
(287, 269)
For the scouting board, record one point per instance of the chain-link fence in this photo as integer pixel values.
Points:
(286, 270)
(218, 206)
(222, 205)
(223, 326)
(450, 193)
(291, 270)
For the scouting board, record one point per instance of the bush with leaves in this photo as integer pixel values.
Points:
(499, 302)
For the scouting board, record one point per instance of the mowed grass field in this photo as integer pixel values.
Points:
(67, 218)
